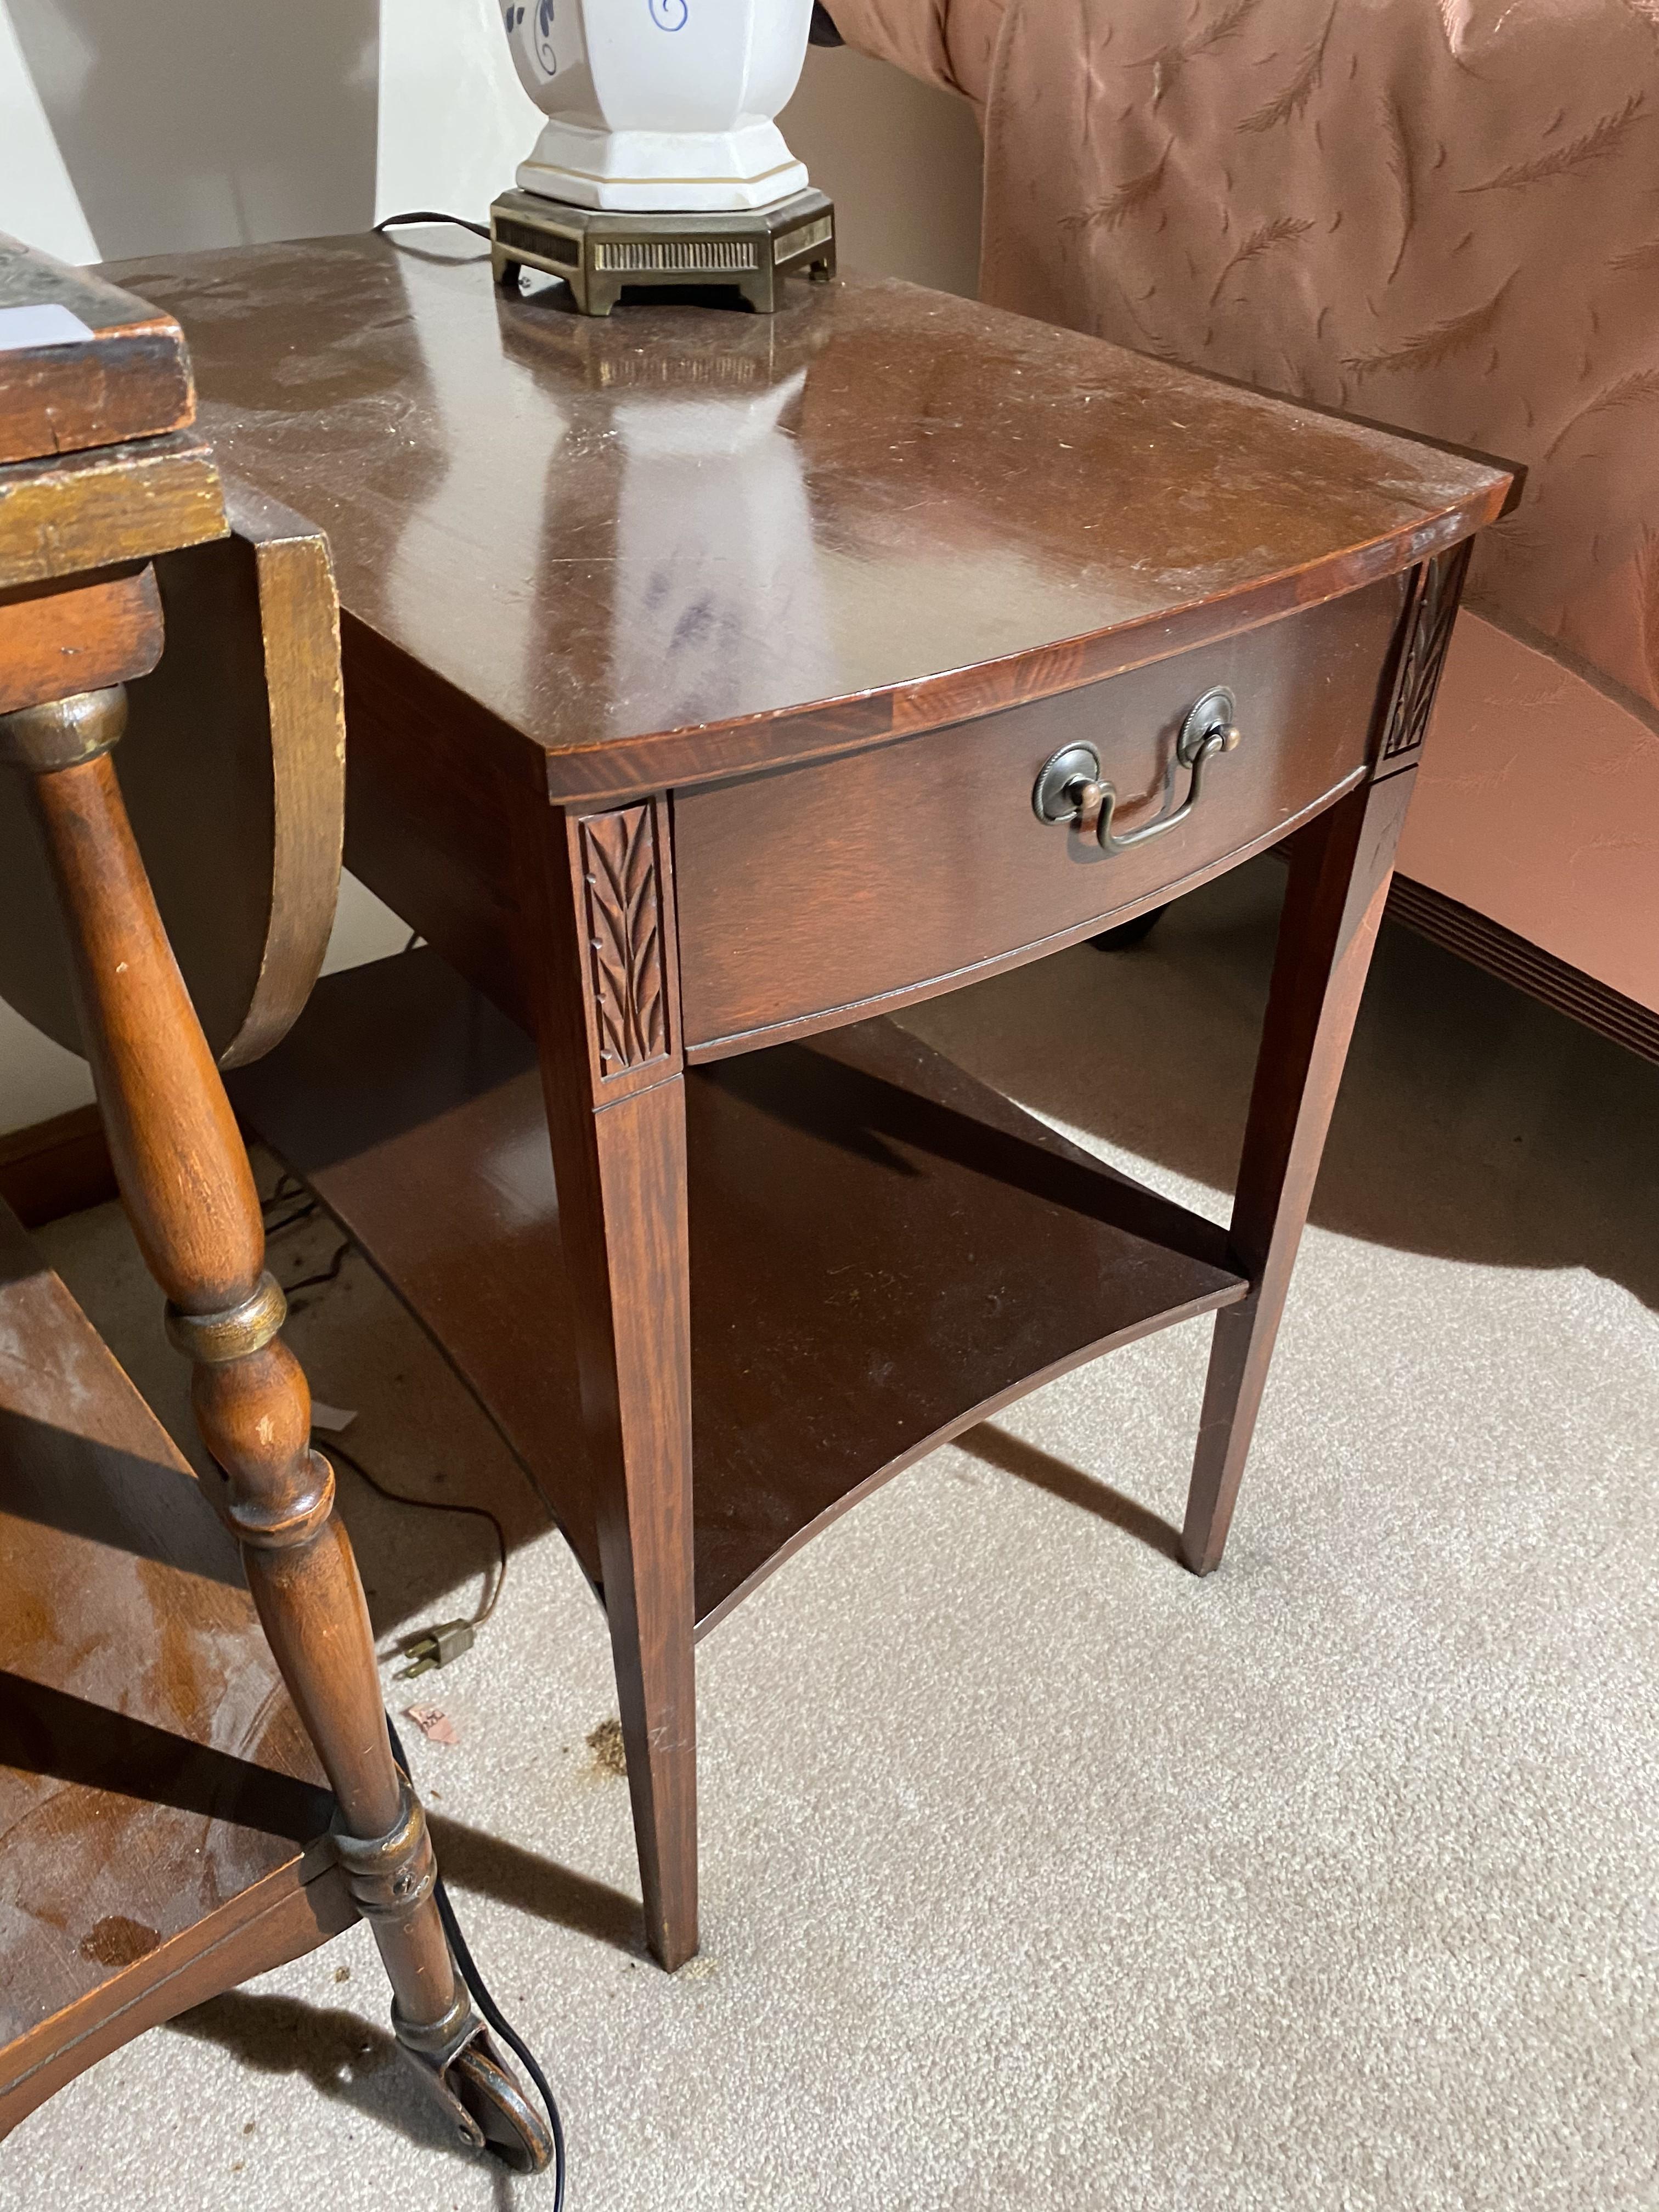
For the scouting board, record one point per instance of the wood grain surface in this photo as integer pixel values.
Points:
(188, 1191)
(928, 862)
(78, 635)
(156, 1786)
(1339, 869)
(233, 770)
(55, 1167)
(684, 542)
(597, 894)
(602, 581)
(130, 379)
(881, 1250)
(62, 517)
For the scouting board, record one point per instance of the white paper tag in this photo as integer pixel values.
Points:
(48, 325)
(334, 1418)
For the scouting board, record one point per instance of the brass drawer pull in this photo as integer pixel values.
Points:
(1069, 788)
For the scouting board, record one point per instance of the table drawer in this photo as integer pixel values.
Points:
(887, 872)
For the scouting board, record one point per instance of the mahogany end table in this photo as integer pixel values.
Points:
(717, 687)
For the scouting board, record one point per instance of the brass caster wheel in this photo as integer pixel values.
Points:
(512, 2130)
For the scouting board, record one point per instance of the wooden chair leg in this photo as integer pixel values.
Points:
(607, 1017)
(189, 1191)
(1340, 865)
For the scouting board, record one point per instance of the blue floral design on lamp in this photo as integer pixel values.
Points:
(545, 52)
(669, 15)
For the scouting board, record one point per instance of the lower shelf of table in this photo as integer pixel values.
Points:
(164, 1818)
(882, 1250)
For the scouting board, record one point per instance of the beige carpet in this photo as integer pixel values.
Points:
(1037, 1873)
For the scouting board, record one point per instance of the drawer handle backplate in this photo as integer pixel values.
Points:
(1069, 788)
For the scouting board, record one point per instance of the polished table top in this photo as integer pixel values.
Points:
(714, 1305)
(689, 541)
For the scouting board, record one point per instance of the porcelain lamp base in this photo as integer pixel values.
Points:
(663, 172)
(600, 252)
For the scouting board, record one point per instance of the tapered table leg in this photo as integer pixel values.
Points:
(1340, 865)
(188, 1190)
(608, 1022)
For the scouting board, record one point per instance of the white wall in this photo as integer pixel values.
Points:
(454, 122)
(37, 200)
(187, 124)
(901, 162)
(131, 127)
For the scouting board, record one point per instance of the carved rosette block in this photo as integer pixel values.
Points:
(621, 870)
(1434, 593)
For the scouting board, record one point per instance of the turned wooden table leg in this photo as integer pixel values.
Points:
(607, 1016)
(190, 1193)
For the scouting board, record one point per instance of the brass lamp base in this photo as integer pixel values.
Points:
(601, 253)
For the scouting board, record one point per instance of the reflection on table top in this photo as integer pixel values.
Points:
(600, 530)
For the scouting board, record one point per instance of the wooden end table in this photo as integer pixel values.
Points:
(164, 1833)
(715, 688)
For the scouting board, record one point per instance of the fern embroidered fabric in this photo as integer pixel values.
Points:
(1440, 213)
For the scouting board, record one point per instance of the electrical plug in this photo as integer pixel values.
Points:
(434, 1647)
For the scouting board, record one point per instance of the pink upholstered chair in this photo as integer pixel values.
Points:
(1440, 213)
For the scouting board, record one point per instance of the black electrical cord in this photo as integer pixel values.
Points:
(328, 1274)
(284, 1195)
(289, 1220)
(430, 215)
(331, 1447)
(486, 2003)
(288, 1188)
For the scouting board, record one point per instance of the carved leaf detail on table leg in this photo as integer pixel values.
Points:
(624, 913)
(1436, 591)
